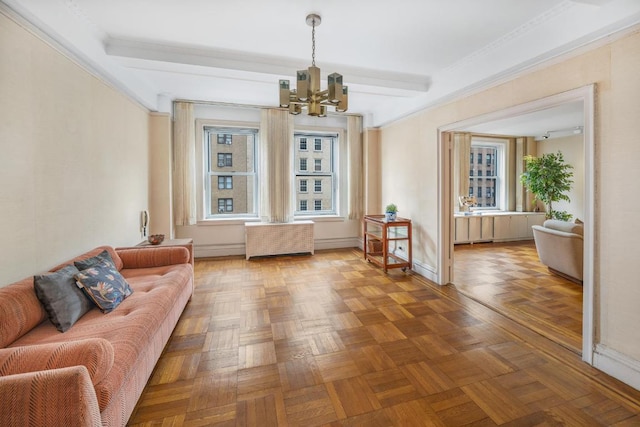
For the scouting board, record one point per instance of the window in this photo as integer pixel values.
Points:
(225, 183)
(225, 205)
(486, 181)
(322, 176)
(225, 138)
(303, 144)
(303, 186)
(225, 160)
(230, 178)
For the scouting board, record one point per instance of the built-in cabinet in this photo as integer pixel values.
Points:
(495, 227)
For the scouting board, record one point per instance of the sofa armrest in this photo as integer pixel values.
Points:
(146, 257)
(95, 354)
(56, 397)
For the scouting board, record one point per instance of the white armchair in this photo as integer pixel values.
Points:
(560, 247)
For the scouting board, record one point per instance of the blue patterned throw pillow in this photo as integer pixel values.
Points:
(104, 285)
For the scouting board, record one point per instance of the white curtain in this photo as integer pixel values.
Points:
(356, 161)
(276, 151)
(184, 163)
(461, 153)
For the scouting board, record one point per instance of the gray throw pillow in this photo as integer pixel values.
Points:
(63, 301)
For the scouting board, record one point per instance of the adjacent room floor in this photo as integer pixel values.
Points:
(510, 278)
(330, 339)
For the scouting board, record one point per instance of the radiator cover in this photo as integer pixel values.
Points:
(263, 238)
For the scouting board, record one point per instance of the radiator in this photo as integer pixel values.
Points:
(262, 238)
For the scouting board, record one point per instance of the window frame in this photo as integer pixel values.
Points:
(209, 142)
(333, 172)
(501, 145)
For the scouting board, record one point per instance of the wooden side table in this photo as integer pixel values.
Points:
(186, 243)
(379, 234)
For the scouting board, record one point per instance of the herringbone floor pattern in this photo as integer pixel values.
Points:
(331, 340)
(510, 278)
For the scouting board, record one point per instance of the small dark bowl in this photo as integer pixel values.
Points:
(156, 239)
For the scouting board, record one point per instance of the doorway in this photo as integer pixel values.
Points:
(585, 96)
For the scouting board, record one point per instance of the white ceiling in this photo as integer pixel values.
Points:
(396, 56)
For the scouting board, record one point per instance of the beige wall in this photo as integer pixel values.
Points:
(572, 148)
(160, 203)
(410, 178)
(73, 162)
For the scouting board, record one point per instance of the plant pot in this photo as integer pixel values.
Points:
(390, 216)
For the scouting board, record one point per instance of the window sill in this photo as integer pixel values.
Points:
(242, 221)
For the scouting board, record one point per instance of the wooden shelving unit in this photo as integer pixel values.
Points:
(387, 244)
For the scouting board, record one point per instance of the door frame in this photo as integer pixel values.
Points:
(586, 94)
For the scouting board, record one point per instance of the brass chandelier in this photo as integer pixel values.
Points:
(307, 93)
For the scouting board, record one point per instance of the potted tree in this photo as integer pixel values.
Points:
(390, 212)
(548, 177)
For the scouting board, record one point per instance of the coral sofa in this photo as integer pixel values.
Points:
(94, 372)
(560, 247)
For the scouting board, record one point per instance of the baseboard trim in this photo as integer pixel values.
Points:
(338, 243)
(618, 365)
(426, 271)
(212, 251)
(229, 249)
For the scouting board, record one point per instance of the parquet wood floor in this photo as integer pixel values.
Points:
(330, 340)
(510, 278)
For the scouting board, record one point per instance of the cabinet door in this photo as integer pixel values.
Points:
(475, 229)
(518, 227)
(534, 219)
(462, 230)
(501, 227)
(486, 232)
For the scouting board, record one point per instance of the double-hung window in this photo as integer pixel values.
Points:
(231, 179)
(322, 161)
(486, 178)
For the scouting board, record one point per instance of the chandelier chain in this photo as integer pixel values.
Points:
(313, 43)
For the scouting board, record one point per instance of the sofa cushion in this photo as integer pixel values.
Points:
(96, 354)
(567, 227)
(104, 285)
(61, 298)
(92, 253)
(20, 311)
